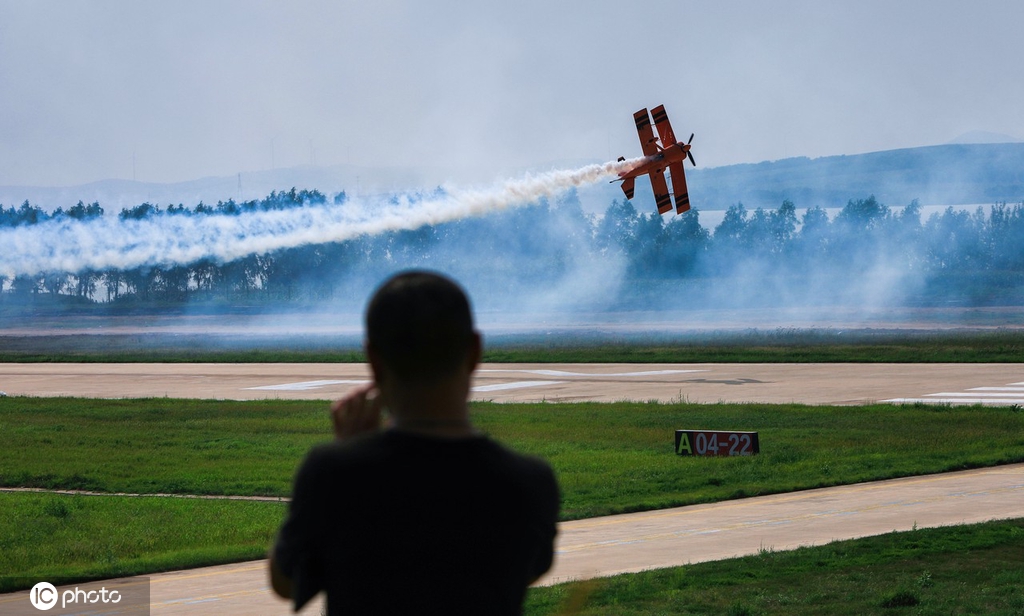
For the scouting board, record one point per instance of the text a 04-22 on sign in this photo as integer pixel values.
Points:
(716, 443)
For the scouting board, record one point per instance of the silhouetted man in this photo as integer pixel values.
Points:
(426, 516)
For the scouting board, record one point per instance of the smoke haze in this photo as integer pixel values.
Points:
(534, 261)
(172, 239)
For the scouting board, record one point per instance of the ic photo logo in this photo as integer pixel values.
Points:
(43, 596)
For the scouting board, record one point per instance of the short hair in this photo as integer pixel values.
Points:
(420, 325)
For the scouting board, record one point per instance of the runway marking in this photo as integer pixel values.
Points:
(992, 401)
(307, 385)
(311, 385)
(514, 385)
(971, 394)
(1012, 394)
(563, 373)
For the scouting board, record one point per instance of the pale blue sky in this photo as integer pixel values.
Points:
(474, 91)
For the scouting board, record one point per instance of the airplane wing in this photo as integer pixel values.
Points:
(643, 128)
(678, 175)
(661, 191)
(664, 127)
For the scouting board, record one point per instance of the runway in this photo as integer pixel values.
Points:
(1001, 384)
(614, 544)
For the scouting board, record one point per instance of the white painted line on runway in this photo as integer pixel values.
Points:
(514, 385)
(593, 374)
(310, 385)
(953, 394)
(307, 385)
(1012, 394)
(999, 401)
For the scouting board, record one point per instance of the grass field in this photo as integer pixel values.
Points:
(608, 457)
(90, 537)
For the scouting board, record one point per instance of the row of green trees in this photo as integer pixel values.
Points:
(974, 257)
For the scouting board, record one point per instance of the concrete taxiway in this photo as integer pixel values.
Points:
(613, 544)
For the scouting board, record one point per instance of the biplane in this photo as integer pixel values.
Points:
(661, 153)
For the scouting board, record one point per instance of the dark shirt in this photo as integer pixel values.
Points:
(395, 523)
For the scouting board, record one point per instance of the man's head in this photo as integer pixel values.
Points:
(419, 327)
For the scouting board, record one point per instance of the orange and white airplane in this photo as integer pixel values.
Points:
(668, 154)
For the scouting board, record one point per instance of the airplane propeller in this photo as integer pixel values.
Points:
(692, 162)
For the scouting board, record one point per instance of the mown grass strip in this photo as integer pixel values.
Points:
(610, 458)
(771, 346)
(977, 569)
(777, 346)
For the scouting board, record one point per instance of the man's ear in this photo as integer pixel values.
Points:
(376, 367)
(476, 349)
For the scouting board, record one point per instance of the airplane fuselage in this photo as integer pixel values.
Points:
(661, 160)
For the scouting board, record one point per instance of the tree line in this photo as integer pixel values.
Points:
(968, 257)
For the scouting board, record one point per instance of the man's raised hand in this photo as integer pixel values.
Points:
(357, 412)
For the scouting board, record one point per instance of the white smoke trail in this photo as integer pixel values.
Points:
(165, 240)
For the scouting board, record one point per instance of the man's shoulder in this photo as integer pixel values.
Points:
(515, 458)
(531, 473)
(372, 452)
(479, 448)
(359, 451)
(359, 446)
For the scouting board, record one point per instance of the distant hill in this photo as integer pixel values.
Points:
(952, 174)
(984, 136)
